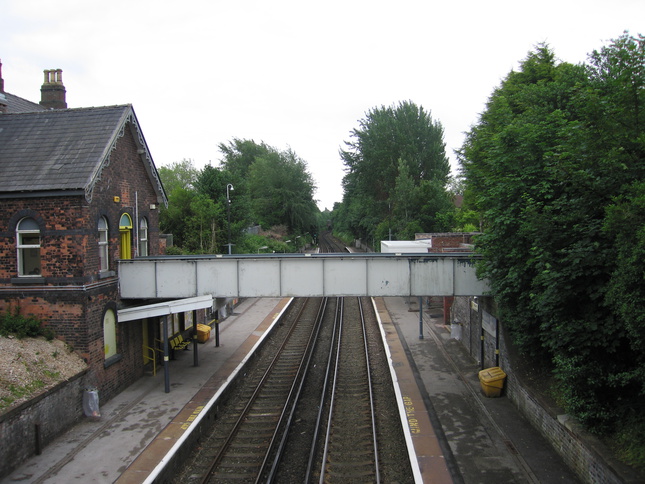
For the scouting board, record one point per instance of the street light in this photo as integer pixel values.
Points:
(262, 248)
(228, 206)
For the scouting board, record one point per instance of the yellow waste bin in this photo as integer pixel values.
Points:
(492, 381)
(203, 333)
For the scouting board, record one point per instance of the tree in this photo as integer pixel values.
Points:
(240, 154)
(282, 191)
(212, 182)
(393, 153)
(180, 174)
(202, 226)
(544, 166)
(174, 219)
(269, 187)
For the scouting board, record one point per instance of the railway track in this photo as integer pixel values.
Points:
(242, 444)
(350, 450)
(316, 405)
(330, 244)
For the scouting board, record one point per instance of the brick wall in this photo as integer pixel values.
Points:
(582, 452)
(449, 240)
(126, 177)
(53, 412)
(71, 295)
(62, 235)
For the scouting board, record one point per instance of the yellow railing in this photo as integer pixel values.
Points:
(153, 358)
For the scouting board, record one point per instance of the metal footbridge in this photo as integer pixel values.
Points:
(301, 275)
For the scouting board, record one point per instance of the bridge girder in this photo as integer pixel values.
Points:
(301, 275)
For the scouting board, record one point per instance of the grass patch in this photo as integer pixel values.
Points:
(51, 374)
(20, 391)
(5, 402)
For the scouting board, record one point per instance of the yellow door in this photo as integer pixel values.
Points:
(125, 229)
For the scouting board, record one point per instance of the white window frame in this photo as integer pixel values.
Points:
(143, 237)
(21, 247)
(104, 239)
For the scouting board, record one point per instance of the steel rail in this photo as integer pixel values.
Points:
(371, 391)
(338, 404)
(243, 415)
(323, 393)
(303, 371)
(332, 398)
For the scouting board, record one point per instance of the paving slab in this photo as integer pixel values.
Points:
(490, 441)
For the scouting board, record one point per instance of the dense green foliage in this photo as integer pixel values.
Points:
(266, 187)
(555, 167)
(397, 176)
(282, 191)
(13, 323)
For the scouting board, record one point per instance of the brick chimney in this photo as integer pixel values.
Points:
(3, 98)
(52, 92)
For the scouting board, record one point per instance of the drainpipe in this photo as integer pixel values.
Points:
(136, 224)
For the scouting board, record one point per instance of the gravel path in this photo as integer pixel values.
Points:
(31, 366)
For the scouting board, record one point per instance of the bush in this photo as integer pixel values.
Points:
(628, 442)
(260, 244)
(174, 250)
(22, 327)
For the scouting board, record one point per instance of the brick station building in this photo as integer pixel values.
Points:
(78, 191)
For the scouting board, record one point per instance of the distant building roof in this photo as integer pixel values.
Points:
(406, 246)
(17, 104)
(64, 149)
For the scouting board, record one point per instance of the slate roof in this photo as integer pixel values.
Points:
(16, 104)
(65, 149)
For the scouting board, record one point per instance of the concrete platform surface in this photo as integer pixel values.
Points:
(489, 441)
(459, 435)
(99, 451)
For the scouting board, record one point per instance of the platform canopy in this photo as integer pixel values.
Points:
(164, 308)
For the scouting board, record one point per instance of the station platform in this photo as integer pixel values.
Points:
(458, 435)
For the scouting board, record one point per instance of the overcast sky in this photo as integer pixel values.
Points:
(293, 74)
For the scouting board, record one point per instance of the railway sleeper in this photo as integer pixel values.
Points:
(218, 476)
(349, 471)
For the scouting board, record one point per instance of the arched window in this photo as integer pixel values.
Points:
(143, 237)
(28, 244)
(125, 229)
(103, 245)
(109, 333)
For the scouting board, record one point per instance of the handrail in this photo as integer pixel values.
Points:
(147, 358)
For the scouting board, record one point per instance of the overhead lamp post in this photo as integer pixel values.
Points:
(262, 248)
(228, 206)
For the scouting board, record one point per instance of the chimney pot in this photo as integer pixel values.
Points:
(52, 92)
(3, 99)
(1, 79)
